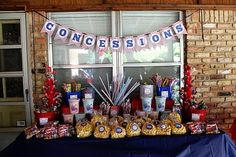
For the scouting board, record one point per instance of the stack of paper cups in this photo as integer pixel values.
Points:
(88, 105)
(160, 103)
(146, 91)
(146, 94)
(74, 106)
(147, 104)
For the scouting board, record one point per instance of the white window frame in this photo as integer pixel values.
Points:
(118, 65)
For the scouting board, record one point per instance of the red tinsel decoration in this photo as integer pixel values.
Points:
(53, 97)
(187, 90)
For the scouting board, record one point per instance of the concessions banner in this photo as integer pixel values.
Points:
(84, 40)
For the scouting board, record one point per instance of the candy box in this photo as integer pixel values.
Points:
(165, 91)
(72, 95)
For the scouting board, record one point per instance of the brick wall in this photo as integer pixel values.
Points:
(211, 50)
(214, 59)
(38, 50)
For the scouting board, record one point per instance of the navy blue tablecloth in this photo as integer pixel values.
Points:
(219, 145)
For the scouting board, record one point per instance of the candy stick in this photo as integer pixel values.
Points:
(97, 91)
(123, 89)
(107, 96)
(108, 85)
(103, 85)
(114, 90)
(118, 86)
(131, 90)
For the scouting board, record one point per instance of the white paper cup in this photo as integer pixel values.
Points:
(68, 118)
(146, 91)
(79, 116)
(74, 106)
(147, 104)
(141, 113)
(160, 103)
(88, 105)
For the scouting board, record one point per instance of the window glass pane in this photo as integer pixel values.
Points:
(71, 55)
(144, 22)
(169, 52)
(11, 89)
(79, 75)
(10, 60)
(14, 87)
(10, 32)
(97, 23)
(147, 72)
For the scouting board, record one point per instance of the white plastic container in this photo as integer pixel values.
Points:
(68, 118)
(160, 103)
(146, 91)
(88, 105)
(74, 106)
(147, 104)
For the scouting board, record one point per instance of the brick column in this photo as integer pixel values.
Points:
(213, 57)
(38, 50)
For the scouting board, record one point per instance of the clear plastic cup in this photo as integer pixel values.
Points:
(147, 104)
(160, 103)
(88, 105)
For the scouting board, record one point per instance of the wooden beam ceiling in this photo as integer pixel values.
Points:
(101, 5)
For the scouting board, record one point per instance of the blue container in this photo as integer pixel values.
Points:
(164, 91)
(73, 95)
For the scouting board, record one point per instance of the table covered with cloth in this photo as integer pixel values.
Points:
(217, 145)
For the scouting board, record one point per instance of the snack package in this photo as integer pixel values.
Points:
(105, 108)
(163, 129)
(102, 131)
(124, 124)
(113, 122)
(41, 133)
(118, 132)
(126, 106)
(98, 120)
(175, 117)
(72, 130)
(120, 119)
(140, 121)
(149, 129)
(133, 129)
(167, 121)
(178, 128)
(212, 129)
(64, 130)
(196, 127)
(155, 122)
(31, 131)
(51, 124)
(153, 115)
(164, 115)
(50, 133)
(84, 129)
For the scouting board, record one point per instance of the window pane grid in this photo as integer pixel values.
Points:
(167, 56)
